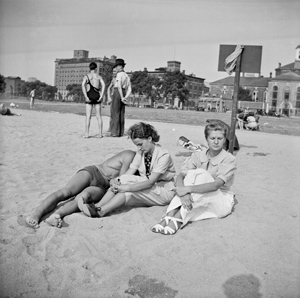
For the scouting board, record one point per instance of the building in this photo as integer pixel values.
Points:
(13, 86)
(72, 71)
(31, 79)
(258, 87)
(284, 88)
(194, 84)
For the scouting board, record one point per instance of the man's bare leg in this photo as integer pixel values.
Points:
(91, 193)
(76, 184)
(88, 110)
(99, 118)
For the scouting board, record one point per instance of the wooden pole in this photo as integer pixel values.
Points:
(234, 103)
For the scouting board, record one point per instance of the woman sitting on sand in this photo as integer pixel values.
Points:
(89, 183)
(154, 186)
(203, 184)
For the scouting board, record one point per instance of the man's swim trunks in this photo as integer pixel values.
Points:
(97, 178)
(93, 94)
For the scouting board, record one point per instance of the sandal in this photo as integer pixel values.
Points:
(158, 227)
(170, 231)
(89, 210)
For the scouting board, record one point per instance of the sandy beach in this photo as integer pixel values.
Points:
(254, 252)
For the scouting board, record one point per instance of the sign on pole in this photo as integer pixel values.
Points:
(238, 58)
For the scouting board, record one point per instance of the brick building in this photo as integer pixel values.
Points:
(72, 71)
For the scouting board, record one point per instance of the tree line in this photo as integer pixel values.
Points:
(43, 90)
(170, 84)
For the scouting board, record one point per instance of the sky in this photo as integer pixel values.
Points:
(145, 33)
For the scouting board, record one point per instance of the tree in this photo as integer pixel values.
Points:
(43, 90)
(143, 84)
(139, 82)
(75, 91)
(244, 94)
(174, 85)
(2, 84)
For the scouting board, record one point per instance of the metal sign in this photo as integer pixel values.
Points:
(251, 58)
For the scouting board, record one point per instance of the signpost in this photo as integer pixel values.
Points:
(247, 60)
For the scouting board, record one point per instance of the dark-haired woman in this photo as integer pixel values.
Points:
(154, 186)
(202, 187)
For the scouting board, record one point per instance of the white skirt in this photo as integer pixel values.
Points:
(160, 194)
(209, 205)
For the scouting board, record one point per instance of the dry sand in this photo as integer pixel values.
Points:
(254, 252)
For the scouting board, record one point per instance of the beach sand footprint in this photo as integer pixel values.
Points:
(145, 287)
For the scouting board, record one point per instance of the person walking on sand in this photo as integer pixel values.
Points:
(93, 97)
(90, 183)
(121, 92)
(32, 96)
(153, 187)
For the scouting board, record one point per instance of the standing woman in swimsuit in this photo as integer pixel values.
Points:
(93, 97)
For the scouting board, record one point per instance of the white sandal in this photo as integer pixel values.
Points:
(158, 227)
(169, 231)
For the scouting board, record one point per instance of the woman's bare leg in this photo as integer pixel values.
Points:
(76, 184)
(118, 200)
(106, 198)
(99, 118)
(88, 110)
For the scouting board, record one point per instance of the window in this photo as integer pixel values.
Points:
(287, 93)
(275, 91)
(298, 98)
(274, 96)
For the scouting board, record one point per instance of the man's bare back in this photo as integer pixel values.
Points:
(95, 79)
(117, 164)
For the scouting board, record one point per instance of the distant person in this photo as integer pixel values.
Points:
(251, 122)
(90, 183)
(93, 97)
(121, 92)
(32, 96)
(4, 111)
(109, 95)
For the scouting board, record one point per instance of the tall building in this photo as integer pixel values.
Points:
(72, 71)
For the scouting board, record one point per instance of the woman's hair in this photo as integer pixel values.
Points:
(215, 127)
(143, 131)
(92, 66)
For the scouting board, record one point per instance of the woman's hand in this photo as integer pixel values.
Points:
(181, 190)
(187, 202)
(121, 188)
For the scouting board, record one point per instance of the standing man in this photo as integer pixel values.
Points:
(32, 96)
(121, 92)
(109, 95)
(93, 97)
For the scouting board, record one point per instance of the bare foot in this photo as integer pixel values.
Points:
(54, 220)
(32, 222)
